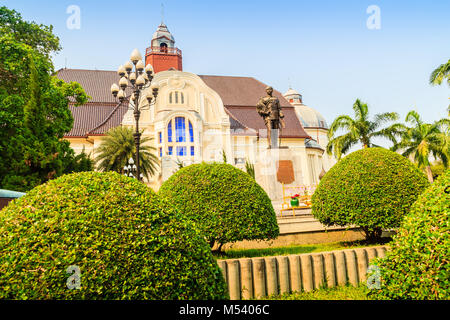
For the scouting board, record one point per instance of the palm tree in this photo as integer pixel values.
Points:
(359, 130)
(440, 74)
(422, 140)
(118, 146)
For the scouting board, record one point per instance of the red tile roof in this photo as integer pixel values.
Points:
(249, 117)
(239, 95)
(96, 83)
(240, 91)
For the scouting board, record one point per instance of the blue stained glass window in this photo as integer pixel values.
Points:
(170, 151)
(180, 129)
(169, 132)
(191, 132)
(192, 150)
(181, 151)
(160, 137)
(160, 152)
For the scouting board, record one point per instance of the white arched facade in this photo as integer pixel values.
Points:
(184, 95)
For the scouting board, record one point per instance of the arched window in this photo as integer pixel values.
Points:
(182, 144)
(163, 47)
(176, 97)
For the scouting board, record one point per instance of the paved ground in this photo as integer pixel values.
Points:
(289, 213)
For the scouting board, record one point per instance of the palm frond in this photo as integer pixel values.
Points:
(361, 110)
(118, 146)
(440, 74)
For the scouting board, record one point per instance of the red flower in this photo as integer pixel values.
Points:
(295, 196)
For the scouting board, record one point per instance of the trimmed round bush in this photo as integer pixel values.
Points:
(226, 203)
(418, 265)
(114, 232)
(372, 188)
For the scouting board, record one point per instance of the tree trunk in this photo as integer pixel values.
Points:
(429, 173)
(373, 235)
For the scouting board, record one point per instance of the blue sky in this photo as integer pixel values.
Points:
(323, 49)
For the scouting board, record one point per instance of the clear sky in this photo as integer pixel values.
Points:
(323, 49)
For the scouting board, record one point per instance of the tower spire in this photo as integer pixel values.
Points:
(162, 53)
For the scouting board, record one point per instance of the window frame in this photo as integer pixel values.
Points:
(182, 143)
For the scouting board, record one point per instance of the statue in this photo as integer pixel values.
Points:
(269, 108)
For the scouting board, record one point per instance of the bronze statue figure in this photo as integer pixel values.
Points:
(269, 108)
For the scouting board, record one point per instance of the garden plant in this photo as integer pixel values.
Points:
(102, 236)
(372, 188)
(226, 203)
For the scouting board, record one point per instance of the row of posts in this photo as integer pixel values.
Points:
(250, 278)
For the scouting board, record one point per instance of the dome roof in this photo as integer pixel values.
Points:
(310, 118)
(163, 31)
(291, 92)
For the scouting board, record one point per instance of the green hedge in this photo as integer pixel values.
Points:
(418, 266)
(226, 203)
(126, 242)
(372, 188)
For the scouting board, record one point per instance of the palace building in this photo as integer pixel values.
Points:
(199, 117)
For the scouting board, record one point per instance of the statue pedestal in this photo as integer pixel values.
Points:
(274, 138)
(276, 166)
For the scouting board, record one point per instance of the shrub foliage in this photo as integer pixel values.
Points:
(126, 242)
(418, 266)
(227, 204)
(372, 188)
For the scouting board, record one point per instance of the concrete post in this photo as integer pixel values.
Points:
(307, 272)
(361, 259)
(272, 275)
(330, 272)
(295, 273)
(234, 285)
(223, 267)
(371, 254)
(352, 267)
(381, 252)
(341, 268)
(283, 272)
(246, 278)
(318, 267)
(259, 276)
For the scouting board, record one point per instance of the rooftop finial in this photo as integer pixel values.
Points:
(162, 13)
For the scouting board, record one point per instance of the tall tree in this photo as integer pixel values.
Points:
(34, 112)
(37, 36)
(118, 146)
(422, 140)
(359, 129)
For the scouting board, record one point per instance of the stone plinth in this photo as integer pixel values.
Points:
(277, 165)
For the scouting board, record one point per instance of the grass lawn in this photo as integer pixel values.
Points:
(295, 249)
(336, 293)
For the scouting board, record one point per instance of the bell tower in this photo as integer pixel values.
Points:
(162, 53)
